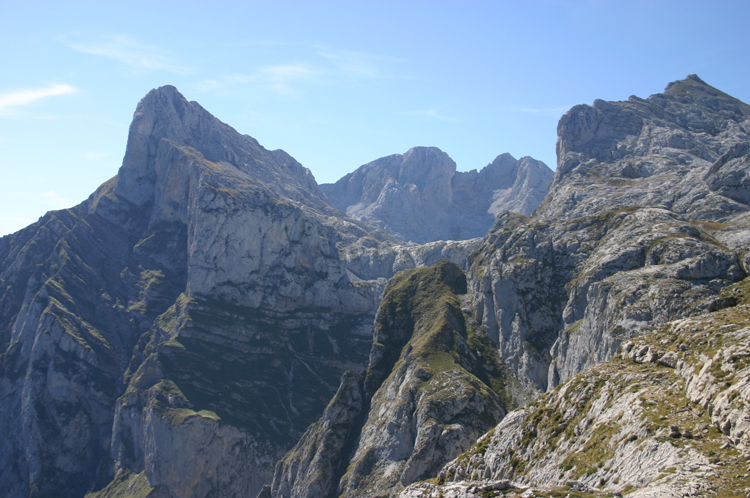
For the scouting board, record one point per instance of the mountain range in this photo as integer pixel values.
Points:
(212, 322)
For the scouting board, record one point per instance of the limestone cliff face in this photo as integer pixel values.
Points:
(669, 151)
(77, 295)
(432, 386)
(666, 417)
(644, 223)
(179, 330)
(419, 196)
(165, 115)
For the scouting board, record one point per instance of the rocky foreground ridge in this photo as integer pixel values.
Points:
(667, 417)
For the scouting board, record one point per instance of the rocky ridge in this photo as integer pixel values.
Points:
(420, 197)
(666, 417)
(601, 262)
(196, 312)
(634, 232)
(432, 386)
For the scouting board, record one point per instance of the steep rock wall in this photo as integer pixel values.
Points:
(629, 237)
(666, 417)
(431, 387)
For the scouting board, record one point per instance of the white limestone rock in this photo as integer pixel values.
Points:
(420, 197)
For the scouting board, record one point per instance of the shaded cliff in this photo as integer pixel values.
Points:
(432, 386)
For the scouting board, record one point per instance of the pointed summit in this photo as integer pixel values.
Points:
(623, 152)
(164, 115)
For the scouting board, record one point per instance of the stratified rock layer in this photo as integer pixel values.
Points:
(419, 196)
(177, 332)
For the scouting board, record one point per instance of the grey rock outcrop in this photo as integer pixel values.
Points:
(419, 196)
(653, 152)
(644, 223)
(432, 386)
(666, 417)
(180, 329)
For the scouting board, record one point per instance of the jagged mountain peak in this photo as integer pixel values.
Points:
(623, 151)
(420, 196)
(178, 333)
(418, 165)
(165, 119)
(698, 89)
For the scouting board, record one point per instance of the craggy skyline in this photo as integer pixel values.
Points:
(335, 84)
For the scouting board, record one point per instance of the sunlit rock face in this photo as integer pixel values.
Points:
(645, 222)
(419, 196)
(178, 330)
(667, 416)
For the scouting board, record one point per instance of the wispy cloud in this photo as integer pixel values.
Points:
(543, 110)
(314, 65)
(53, 200)
(357, 64)
(28, 96)
(281, 79)
(131, 52)
(95, 156)
(430, 113)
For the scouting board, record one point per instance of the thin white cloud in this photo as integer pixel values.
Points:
(319, 65)
(95, 156)
(284, 80)
(281, 79)
(357, 64)
(55, 201)
(131, 52)
(430, 113)
(28, 96)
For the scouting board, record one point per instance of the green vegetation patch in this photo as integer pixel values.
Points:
(740, 291)
(177, 416)
(573, 328)
(419, 307)
(125, 485)
(421, 317)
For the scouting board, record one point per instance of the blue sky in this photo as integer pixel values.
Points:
(335, 84)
